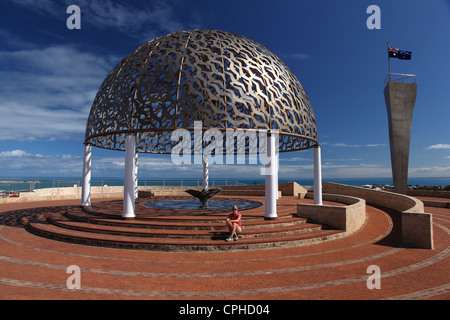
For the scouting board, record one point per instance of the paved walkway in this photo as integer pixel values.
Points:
(32, 267)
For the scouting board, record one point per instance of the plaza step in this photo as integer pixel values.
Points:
(168, 244)
(183, 230)
(152, 230)
(180, 222)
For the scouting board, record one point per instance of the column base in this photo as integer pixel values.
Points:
(270, 218)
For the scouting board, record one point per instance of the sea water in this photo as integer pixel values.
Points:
(39, 183)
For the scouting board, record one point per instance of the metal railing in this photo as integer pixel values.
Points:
(11, 187)
(400, 77)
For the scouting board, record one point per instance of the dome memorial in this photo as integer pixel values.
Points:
(219, 79)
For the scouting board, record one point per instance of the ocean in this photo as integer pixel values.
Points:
(39, 183)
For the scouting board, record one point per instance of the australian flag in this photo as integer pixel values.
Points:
(399, 54)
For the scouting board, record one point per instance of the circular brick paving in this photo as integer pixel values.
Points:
(173, 229)
(33, 267)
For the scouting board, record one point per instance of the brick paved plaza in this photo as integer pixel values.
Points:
(33, 267)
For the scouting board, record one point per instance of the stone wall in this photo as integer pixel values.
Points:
(292, 189)
(349, 217)
(64, 194)
(284, 189)
(160, 191)
(429, 193)
(417, 226)
(288, 188)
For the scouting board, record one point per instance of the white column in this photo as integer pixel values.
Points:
(317, 176)
(129, 180)
(277, 163)
(86, 189)
(205, 173)
(136, 175)
(271, 197)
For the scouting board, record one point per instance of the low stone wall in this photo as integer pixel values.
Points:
(248, 190)
(417, 226)
(284, 189)
(442, 197)
(288, 188)
(429, 193)
(160, 191)
(349, 217)
(437, 204)
(292, 189)
(64, 194)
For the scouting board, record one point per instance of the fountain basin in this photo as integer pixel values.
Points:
(213, 204)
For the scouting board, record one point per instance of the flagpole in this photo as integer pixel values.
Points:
(389, 62)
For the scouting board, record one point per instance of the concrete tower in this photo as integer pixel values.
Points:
(400, 98)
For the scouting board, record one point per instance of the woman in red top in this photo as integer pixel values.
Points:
(234, 224)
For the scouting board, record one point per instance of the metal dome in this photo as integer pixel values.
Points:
(222, 79)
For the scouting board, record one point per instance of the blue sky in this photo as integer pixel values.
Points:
(49, 76)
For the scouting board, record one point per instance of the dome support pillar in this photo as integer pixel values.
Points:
(271, 175)
(317, 175)
(136, 175)
(86, 188)
(205, 173)
(277, 164)
(129, 192)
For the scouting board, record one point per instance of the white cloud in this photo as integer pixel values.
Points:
(434, 171)
(120, 164)
(345, 145)
(19, 163)
(155, 18)
(46, 93)
(50, 91)
(374, 170)
(300, 56)
(41, 6)
(438, 146)
(356, 172)
(295, 159)
(343, 159)
(13, 40)
(375, 145)
(13, 154)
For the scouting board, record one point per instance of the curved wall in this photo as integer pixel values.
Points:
(350, 217)
(417, 226)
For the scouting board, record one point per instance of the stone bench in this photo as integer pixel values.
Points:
(349, 217)
(417, 226)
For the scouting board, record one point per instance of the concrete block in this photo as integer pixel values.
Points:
(400, 99)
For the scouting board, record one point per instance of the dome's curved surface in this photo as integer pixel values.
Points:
(222, 79)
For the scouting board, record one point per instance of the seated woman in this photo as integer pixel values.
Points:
(234, 224)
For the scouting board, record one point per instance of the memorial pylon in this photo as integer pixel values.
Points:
(400, 98)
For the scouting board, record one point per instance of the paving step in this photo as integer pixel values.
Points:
(211, 224)
(176, 229)
(62, 221)
(188, 218)
(167, 244)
